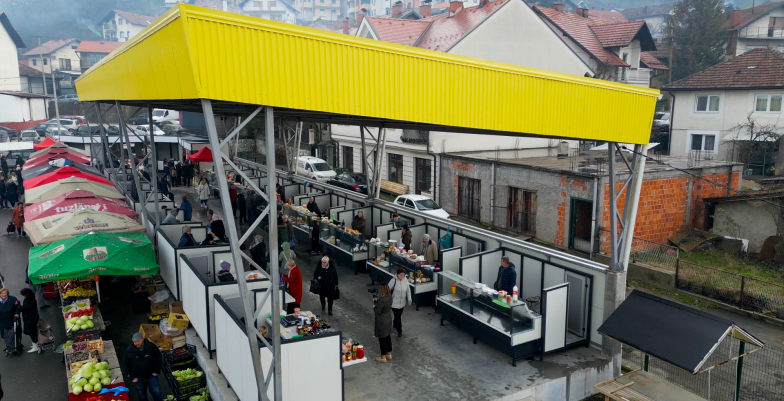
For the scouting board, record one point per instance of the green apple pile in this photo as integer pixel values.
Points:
(91, 377)
(79, 323)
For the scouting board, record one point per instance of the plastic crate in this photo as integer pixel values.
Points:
(183, 390)
(186, 353)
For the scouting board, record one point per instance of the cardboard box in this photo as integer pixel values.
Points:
(153, 333)
(178, 321)
(165, 344)
(176, 307)
(159, 308)
(178, 341)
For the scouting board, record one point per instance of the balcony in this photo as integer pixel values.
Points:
(109, 27)
(634, 76)
(751, 32)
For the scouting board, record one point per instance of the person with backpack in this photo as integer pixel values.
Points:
(401, 294)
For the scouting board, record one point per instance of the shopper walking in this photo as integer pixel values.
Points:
(29, 311)
(429, 250)
(216, 225)
(143, 362)
(507, 276)
(383, 324)
(283, 233)
(17, 217)
(11, 192)
(233, 200)
(401, 295)
(3, 199)
(293, 278)
(203, 192)
(9, 310)
(187, 209)
(327, 276)
(19, 161)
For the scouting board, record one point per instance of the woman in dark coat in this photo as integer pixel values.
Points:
(406, 237)
(29, 311)
(11, 192)
(359, 222)
(327, 276)
(383, 327)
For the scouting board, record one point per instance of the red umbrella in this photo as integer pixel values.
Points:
(203, 155)
(77, 200)
(44, 144)
(54, 154)
(62, 173)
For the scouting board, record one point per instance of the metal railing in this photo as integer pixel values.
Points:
(735, 289)
(762, 32)
(626, 74)
(650, 253)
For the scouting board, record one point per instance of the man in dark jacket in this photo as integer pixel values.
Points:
(406, 237)
(3, 201)
(327, 276)
(359, 223)
(258, 252)
(19, 161)
(165, 188)
(9, 309)
(507, 276)
(187, 238)
(313, 206)
(4, 165)
(143, 363)
(187, 209)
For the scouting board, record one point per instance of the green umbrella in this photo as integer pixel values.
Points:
(105, 254)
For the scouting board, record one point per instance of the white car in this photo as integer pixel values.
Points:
(422, 204)
(68, 124)
(144, 130)
(315, 168)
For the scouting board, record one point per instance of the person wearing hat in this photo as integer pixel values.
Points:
(171, 218)
(224, 275)
(143, 363)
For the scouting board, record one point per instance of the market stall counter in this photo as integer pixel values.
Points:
(421, 277)
(344, 245)
(104, 361)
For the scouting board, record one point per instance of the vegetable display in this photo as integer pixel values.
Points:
(186, 374)
(91, 377)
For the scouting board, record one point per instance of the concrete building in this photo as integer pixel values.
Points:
(321, 10)
(712, 110)
(750, 217)
(57, 55)
(91, 52)
(275, 10)
(761, 26)
(565, 200)
(33, 80)
(20, 107)
(655, 16)
(119, 26)
(10, 41)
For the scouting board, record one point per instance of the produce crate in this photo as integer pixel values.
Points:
(77, 359)
(182, 358)
(179, 321)
(96, 345)
(183, 389)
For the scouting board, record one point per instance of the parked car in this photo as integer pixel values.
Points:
(144, 130)
(41, 128)
(30, 135)
(172, 128)
(661, 121)
(160, 115)
(72, 98)
(139, 119)
(315, 168)
(351, 181)
(12, 133)
(52, 132)
(79, 119)
(68, 124)
(423, 204)
(87, 130)
(4, 137)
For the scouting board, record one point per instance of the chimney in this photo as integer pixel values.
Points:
(558, 7)
(360, 16)
(581, 12)
(454, 7)
(397, 8)
(425, 9)
(345, 25)
(734, 17)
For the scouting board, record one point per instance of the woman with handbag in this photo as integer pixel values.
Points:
(383, 325)
(401, 294)
(327, 277)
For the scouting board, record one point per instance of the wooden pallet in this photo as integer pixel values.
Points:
(393, 187)
(614, 390)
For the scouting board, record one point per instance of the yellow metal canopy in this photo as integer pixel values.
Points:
(237, 61)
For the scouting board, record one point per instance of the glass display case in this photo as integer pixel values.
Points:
(383, 267)
(347, 245)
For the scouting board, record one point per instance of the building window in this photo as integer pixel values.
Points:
(65, 64)
(395, 168)
(128, 34)
(272, 5)
(770, 103)
(333, 14)
(348, 159)
(422, 170)
(35, 62)
(323, 12)
(469, 197)
(705, 143)
(521, 211)
(74, 47)
(46, 61)
(708, 103)
(122, 35)
(119, 21)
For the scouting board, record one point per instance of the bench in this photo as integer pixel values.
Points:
(393, 187)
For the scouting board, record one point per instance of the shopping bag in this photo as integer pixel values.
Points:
(337, 293)
(315, 286)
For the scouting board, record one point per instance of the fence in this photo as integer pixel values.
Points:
(647, 252)
(735, 289)
(762, 378)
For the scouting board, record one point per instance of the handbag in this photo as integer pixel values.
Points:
(315, 286)
(337, 293)
(292, 244)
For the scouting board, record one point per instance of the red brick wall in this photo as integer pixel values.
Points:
(662, 210)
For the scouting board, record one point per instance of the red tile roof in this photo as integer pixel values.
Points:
(136, 19)
(400, 31)
(647, 11)
(755, 69)
(27, 71)
(49, 47)
(578, 28)
(446, 32)
(750, 15)
(617, 35)
(652, 62)
(612, 17)
(92, 46)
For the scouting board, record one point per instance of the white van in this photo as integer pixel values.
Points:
(315, 168)
(159, 115)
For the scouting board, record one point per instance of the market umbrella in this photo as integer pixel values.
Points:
(62, 173)
(44, 144)
(203, 155)
(54, 154)
(55, 189)
(47, 168)
(110, 254)
(71, 224)
(59, 145)
(77, 200)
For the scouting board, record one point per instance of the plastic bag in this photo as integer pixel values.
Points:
(159, 296)
(169, 331)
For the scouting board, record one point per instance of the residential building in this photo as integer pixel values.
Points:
(712, 109)
(19, 110)
(761, 26)
(119, 26)
(371, 7)
(324, 10)
(655, 16)
(565, 201)
(275, 10)
(58, 56)
(10, 41)
(33, 80)
(91, 52)
(751, 217)
(232, 6)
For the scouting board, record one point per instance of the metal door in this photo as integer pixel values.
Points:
(578, 303)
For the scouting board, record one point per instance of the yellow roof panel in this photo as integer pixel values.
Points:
(193, 52)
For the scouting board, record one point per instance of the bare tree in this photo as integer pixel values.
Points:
(751, 139)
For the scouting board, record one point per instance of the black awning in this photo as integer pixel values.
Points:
(675, 333)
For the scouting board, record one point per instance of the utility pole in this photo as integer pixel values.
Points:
(56, 105)
(43, 78)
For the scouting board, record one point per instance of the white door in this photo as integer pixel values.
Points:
(578, 303)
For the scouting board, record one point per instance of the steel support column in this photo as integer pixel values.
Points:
(134, 171)
(154, 164)
(248, 304)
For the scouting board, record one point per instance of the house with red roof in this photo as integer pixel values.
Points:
(119, 26)
(655, 16)
(761, 26)
(92, 51)
(57, 55)
(709, 106)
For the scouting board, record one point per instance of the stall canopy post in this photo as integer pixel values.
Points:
(269, 133)
(154, 164)
(134, 171)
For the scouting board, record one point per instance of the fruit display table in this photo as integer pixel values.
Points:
(122, 396)
(109, 355)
